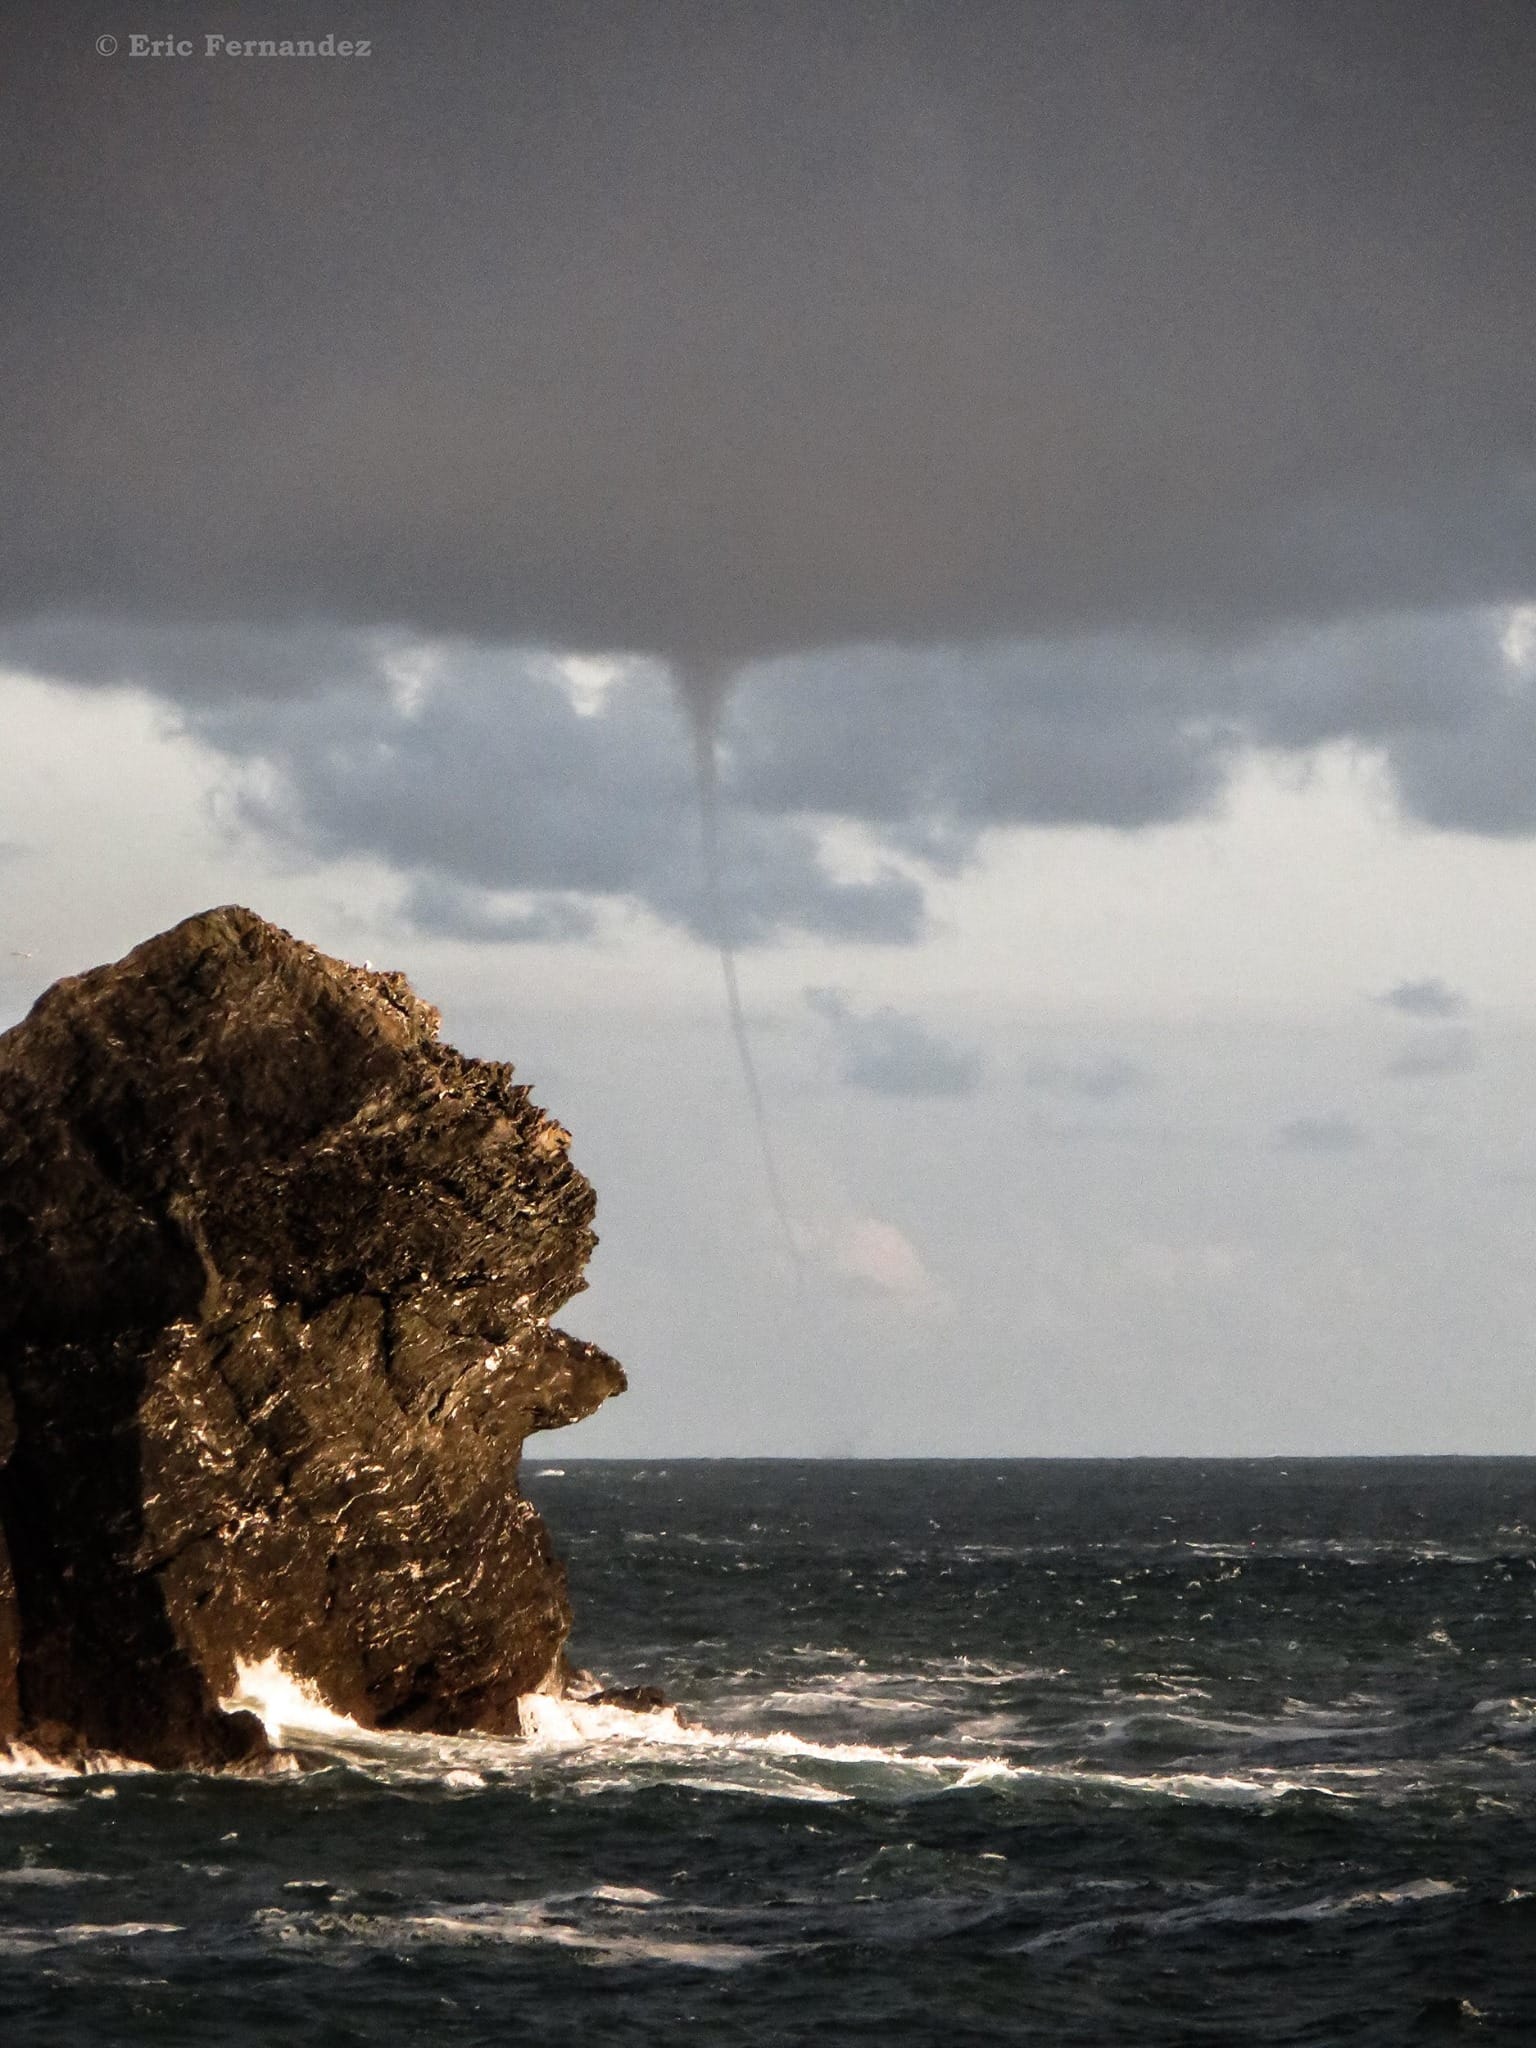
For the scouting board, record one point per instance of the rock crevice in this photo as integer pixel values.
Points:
(276, 1274)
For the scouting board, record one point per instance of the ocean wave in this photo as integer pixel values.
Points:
(31, 1941)
(18, 1761)
(1513, 1719)
(1253, 1909)
(613, 1924)
(1352, 1550)
(12, 1801)
(596, 1748)
(809, 1702)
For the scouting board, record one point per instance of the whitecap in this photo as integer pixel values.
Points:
(612, 1924)
(1216, 1788)
(30, 1941)
(556, 1725)
(20, 1760)
(1515, 1716)
(116, 1930)
(816, 1700)
(24, 1802)
(1414, 1893)
(509, 1925)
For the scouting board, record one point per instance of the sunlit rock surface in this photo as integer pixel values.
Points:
(275, 1274)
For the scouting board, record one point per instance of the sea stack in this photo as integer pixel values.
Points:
(276, 1269)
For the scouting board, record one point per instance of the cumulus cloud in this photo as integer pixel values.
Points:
(1480, 774)
(482, 772)
(1322, 1134)
(890, 1053)
(492, 779)
(1128, 730)
(1430, 998)
(448, 909)
(933, 747)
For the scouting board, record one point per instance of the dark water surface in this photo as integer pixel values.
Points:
(1217, 1752)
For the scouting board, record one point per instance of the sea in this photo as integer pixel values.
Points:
(1100, 1753)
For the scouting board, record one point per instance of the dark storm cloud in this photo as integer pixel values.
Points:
(890, 1053)
(1431, 998)
(195, 661)
(1322, 1134)
(726, 332)
(1036, 405)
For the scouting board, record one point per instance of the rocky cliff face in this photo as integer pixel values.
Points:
(275, 1274)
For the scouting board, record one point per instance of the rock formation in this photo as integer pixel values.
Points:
(276, 1269)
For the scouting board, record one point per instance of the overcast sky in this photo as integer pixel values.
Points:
(1079, 463)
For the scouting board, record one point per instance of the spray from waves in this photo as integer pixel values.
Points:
(701, 693)
(19, 1761)
(286, 1706)
(559, 1730)
(600, 1747)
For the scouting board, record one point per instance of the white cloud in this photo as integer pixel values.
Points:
(876, 1256)
(1518, 644)
(588, 679)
